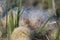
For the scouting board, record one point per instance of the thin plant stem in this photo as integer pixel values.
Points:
(18, 13)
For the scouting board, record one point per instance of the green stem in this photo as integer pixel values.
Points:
(19, 13)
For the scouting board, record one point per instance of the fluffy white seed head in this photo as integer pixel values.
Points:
(21, 33)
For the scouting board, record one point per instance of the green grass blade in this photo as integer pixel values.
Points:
(19, 13)
(10, 25)
(7, 19)
(11, 21)
(58, 30)
(9, 32)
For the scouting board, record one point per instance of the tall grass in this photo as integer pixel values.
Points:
(7, 20)
(40, 30)
(19, 13)
(10, 25)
